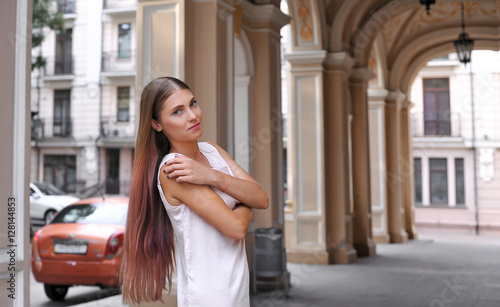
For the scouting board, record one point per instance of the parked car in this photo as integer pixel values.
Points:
(46, 200)
(82, 245)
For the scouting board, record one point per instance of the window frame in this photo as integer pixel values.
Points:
(437, 122)
(120, 97)
(124, 52)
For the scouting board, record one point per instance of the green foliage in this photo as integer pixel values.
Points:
(43, 17)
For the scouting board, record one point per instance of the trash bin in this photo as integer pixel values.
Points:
(269, 258)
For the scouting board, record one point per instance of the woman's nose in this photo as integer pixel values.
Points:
(191, 115)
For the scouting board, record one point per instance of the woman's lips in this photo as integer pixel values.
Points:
(195, 127)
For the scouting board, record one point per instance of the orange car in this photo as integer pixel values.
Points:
(82, 245)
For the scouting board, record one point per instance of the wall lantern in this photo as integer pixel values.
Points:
(464, 43)
(427, 4)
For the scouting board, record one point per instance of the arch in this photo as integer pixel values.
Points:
(339, 25)
(243, 57)
(381, 62)
(243, 76)
(420, 61)
(373, 25)
(407, 55)
(376, 19)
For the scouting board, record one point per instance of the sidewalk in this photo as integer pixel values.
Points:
(431, 271)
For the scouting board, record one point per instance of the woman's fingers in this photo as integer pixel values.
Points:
(184, 169)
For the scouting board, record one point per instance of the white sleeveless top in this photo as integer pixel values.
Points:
(212, 269)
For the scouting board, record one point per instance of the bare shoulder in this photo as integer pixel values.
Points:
(168, 186)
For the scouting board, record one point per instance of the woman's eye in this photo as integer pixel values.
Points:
(177, 112)
(193, 103)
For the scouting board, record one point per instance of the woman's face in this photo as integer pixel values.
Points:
(181, 118)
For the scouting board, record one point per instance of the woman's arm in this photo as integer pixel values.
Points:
(209, 206)
(242, 187)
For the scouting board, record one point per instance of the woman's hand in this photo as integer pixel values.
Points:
(185, 169)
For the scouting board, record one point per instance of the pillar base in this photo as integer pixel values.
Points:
(307, 257)
(343, 255)
(381, 239)
(399, 237)
(412, 234)
(365, 249)
(340, 255)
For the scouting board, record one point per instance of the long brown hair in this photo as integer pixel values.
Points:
(148, 250)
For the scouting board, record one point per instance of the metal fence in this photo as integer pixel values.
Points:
(51, 127)
(436, 123)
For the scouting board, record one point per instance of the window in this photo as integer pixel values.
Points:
(60, 170)
(95, 213)
(437, 107)
(123, 104)
(438, 178)
(124, 40)
(66, 6)
(459, 181)
(417, 168)
(63, 60)
(62, 113)
(112, 171)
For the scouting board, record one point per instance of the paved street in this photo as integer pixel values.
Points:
(437, 271)
(76, 295)
(432, 271)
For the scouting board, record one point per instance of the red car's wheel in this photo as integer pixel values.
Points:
(55, 292)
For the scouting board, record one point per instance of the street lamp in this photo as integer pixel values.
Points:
(464, 43)
(427, 4)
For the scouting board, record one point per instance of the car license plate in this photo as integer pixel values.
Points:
(80, 249)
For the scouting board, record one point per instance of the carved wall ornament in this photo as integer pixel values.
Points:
(486, 163)
(304, 22)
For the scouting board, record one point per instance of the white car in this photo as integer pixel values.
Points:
(46, 200)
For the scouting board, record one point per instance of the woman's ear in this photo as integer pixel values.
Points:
(156, 126)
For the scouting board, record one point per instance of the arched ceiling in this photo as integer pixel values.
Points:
(405, 32)
(393, 37)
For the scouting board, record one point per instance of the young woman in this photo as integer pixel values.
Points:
(193, 191)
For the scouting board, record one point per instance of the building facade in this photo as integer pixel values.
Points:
(83, 102)
(455, 141)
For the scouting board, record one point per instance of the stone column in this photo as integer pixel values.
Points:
(408, 172)
(305, 216)
(262, 24)
(338, 189)
(378, 165)
(362, 225)
(394, 178)
(15, 60)
(192, 40)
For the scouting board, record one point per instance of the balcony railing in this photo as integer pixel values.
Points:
(112, 128)
(61, 127)
(119, 4)
(66, 6)
(58, 65)
(436, 123)
(118, 61)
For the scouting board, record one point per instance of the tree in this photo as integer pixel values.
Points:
(43, 17)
